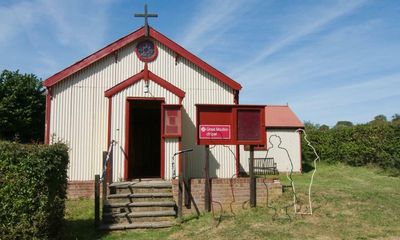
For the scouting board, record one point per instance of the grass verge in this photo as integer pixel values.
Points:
(349, 203)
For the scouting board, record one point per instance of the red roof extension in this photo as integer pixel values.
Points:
(111, 48)
(281, 116)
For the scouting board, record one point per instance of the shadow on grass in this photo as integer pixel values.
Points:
(190, 218)
(82, 229)
(307, 167)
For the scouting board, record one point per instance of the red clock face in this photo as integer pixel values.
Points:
(146, 50)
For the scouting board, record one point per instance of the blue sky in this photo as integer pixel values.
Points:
(330, 60)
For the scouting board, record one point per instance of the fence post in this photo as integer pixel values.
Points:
(253, 193)
(180, 196)
(207, 197)
(96, 200)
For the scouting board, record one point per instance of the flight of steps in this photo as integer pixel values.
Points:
(139, 204)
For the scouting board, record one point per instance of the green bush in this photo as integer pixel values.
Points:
(33, 182)
(376, 143)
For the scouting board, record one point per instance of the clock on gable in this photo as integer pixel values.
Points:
(146, 50)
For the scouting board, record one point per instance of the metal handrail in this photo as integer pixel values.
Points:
(108, 157)
(98, 180)
(173, 161)
(181, 181)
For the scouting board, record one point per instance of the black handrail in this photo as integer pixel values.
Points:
(181, 180)
(107, 158)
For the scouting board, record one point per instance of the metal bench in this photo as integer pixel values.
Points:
(265, 166)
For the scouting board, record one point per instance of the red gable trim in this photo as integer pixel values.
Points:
(194, 59)
(93, 57)
(125, 84)
(130, 38)
(136, 78)
(177, 91)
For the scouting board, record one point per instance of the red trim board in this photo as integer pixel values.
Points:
(147, 75)
(47, 117)
(115, 46)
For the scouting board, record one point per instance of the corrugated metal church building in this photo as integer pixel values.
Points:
(97, 99)
(130, 92)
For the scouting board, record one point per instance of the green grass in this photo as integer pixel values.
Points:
(349, 203)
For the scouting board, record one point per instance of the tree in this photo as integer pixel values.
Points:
(380, 118)
(310, 125)
(324, 127)
(344, 123)
(22, 107)
(396, 119)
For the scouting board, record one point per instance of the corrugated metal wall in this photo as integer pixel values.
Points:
(290, 140)
(79, 110)
(200, 88)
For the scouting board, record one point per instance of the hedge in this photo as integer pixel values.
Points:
(33, 183)
(376, 144)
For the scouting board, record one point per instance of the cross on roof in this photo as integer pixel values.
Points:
(146, 15)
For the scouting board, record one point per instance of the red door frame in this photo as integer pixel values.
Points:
(127, 120)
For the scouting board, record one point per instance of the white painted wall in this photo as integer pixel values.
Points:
(290, 140)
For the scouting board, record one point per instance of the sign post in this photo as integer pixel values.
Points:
(253, 193)
(207, 197)
(219, 124)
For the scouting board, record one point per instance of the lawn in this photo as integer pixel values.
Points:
(349, 203)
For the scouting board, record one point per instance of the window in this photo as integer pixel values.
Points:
(172, 121)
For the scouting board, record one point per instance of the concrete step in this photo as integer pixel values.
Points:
(142, 184)
(132, 217)
(140, 195)
(141, 187)
(111, 219)
(143, 214)
(147, 203)
(142, 204)
(140, 190)
(125, 226)
(139, 207)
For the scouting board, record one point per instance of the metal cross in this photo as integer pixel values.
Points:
(146, 15)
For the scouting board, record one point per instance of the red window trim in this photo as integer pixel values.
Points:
(163, 132)
(150, 59)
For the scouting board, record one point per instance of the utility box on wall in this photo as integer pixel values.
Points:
(230, 124)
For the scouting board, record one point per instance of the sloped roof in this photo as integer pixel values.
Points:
(281, 116)
(111, 48)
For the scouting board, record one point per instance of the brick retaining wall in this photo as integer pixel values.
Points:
(222, 192)
(80, 189)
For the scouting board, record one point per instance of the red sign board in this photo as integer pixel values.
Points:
(215, 132)
(230, 124)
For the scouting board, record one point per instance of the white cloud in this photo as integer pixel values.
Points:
(320, 19)
(15, 19)
(211, 21)
(43, 36)
(360, 92)
(357, 102)
(77, 23)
